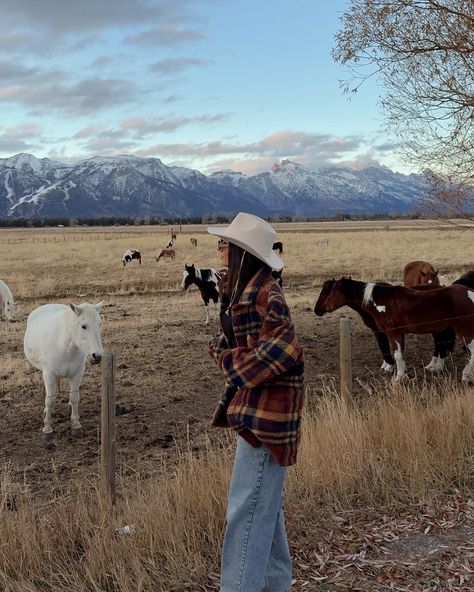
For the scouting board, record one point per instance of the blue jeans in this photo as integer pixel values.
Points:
(255, 554)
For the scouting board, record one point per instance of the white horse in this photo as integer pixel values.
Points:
(58, 339)
(8, 304)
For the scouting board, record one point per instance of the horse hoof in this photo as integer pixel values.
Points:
(76, 432)
(48, 439)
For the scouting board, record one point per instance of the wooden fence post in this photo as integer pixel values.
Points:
(345, 359)
(107, 431)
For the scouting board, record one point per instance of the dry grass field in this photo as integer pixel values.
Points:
(407, 449)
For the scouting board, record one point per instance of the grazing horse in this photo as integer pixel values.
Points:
(418, 273)
(278, 246)
(194, 242)
(6, 299)
(170, 244)
(173, 236)
(398, 311)
(130, 255)
(58, 340)
(207, 280)
(322, 241)
(166, 254)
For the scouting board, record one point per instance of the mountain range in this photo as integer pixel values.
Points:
(134, 186)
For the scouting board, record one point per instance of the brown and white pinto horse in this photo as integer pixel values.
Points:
(194, 242)
(397, 311)
(207, 280)
(443, 340)
(418, 273)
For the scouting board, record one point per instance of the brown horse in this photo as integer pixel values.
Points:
(166, 254)
(397, 311)
(443, 341)
(418, 273)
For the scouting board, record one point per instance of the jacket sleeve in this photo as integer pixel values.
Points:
(217, 345)
(276, 352)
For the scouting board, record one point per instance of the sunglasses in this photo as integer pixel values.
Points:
(222, 244)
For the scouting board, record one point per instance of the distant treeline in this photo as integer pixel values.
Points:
(210, 219)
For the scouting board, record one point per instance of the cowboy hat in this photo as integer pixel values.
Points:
(252, 234)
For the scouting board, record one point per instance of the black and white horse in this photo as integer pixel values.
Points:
(278, 246)
(130, 255)
(207, 280)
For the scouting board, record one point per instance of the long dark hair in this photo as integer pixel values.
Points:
(240, 273)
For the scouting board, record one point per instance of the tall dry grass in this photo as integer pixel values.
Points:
(393, 449)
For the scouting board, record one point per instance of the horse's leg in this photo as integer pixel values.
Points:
(443, 343)
(469, 368)
(384, 346)
(398, 342)
(74, 384)
(51, 385)
(381, 337)
(214, 310)
(206, 305)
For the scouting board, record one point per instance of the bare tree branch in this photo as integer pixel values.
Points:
(423, 52)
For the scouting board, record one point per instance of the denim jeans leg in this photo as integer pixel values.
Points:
(253, 508)
(278, 573)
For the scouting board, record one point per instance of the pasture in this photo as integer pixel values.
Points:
(167, 386)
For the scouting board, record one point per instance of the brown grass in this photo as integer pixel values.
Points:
(91, 267)
(391, 450)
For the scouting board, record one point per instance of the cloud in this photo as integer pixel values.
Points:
(283, 144)
(12, 71)
(10, 41)
(170, 99)
(81, 98)
(20, 138)
(164, 36)
(176, 65)
(102, 61)
(86, 15)
(144, 127)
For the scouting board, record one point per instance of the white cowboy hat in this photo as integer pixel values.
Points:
(252, 234)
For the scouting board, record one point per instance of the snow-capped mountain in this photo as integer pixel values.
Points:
(133, 186)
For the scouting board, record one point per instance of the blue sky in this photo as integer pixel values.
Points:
(207, 84)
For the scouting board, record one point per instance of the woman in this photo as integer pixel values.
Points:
(262, 363)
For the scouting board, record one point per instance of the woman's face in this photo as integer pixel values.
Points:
(223, 248)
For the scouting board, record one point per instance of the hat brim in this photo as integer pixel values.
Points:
(271, 259)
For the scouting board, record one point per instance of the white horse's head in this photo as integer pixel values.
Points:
(86, 325)
(9, 309)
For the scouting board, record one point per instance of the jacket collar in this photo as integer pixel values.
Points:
(249, 294)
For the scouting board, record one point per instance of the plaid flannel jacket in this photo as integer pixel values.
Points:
(263, 397)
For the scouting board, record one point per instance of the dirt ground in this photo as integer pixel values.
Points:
(166, 384)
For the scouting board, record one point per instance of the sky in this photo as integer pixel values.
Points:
(205, 84)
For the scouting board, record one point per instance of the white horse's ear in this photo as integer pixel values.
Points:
(76, 309)
(99, 306)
